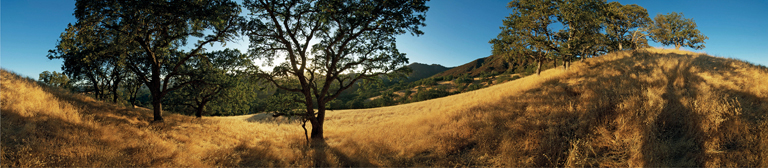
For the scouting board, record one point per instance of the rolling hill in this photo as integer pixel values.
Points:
(491, 63)
(647, 108)
(421, 71)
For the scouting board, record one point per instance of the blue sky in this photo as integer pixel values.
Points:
(457, 31)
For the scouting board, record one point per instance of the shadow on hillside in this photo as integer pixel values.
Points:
(269, 118)
(630, 115)
(262, 155)
(36, 141)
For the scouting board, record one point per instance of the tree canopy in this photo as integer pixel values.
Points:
(673, 29)
(328, 45)
(538, 30)
(54, 78)
(215, 75)
(150, 36)
(625, 25)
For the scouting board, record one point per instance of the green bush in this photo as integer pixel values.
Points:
(464, 79)
(502, 79)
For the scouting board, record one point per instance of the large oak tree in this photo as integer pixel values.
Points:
(158, 30)
(538, 30)
(328, 45)
(94, 57)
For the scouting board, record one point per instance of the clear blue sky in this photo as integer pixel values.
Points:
(457, 31)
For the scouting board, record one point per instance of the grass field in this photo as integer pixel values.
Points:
(652, 107)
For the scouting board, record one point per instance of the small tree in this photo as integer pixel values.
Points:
(673, 29)
(54, 79)
(624, 25)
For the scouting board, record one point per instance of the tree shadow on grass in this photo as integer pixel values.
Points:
(561, 123)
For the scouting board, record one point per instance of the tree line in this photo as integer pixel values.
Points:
(567, 30)
(316, 48)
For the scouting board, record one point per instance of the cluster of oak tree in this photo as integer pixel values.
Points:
(315, 49)
(538, 31)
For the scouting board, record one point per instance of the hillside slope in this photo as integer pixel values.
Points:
(643, 108)
(488, 64)
(421, 71)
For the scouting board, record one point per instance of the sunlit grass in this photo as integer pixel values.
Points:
(653, 107)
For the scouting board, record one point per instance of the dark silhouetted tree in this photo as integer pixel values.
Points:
(156, 31)
(214, 76)
(353, 40)
(92, 55)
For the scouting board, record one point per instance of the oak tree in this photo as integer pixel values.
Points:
(213, 76)
(673, 29)
(54, 79)
(625, 25)
(328, 45)
(159, 30)
(92, 56)
(539, 30)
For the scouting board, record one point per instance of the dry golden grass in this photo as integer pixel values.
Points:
(652, 107)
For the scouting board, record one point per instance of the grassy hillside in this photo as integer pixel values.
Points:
(490, 64)
(643, 108)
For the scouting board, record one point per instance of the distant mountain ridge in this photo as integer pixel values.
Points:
(421, 71)
(491, 63)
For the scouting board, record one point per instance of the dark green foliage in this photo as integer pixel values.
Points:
(429, 82)
(625, 25)
(145, 37)
(463, 80)
(530, 31)
(448, 78)
(488, 77)
(429, 94)
(502, 79)
(55, 79)
(673, 29)
(473, 87)
(219, 78)
(284, 103)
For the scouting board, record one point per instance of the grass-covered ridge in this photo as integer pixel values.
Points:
(636, 108)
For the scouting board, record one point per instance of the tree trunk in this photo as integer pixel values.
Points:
(157, 108)
(554, 62)
(157, 103)
(620, 46)
(565, 64)
(317, 127)
(133, 92)
(677, 46)
(96, 88)
(157, 93)
(200, 108)
(199, 112)
(115, 86)
(538, 67)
